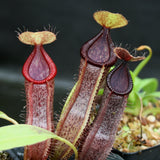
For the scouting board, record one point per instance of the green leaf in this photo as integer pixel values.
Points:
(4, 116)
(100, 92)
(126, 128)
(132, 75)
(153, 94)
(153, 111)
(151, 97)
(22, 134)
(148, 85)
(133, 104)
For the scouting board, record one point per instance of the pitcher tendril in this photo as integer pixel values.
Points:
(143, 63)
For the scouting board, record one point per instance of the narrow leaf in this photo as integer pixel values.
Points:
(22, 134)
(153, 111)
(151, 97)
(154, 94)
(148, 85)
(133, 105)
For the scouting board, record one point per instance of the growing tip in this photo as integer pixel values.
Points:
(142, 47)
(110, 20)
(37, 38)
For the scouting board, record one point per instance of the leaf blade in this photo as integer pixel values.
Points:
(19, 135)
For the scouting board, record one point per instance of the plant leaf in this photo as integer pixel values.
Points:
(148, 85)
(100, 92)
(19, 135)
(133, 104)
(153, 94)
(153, 111)
(151, 97)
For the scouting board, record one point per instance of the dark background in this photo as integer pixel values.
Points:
(72, 20)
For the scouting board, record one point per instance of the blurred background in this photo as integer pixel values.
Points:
(73, 21)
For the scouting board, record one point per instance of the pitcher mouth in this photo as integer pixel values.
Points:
(99, 50)
(46, 67)
(119, 80)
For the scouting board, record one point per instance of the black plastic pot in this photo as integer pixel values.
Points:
(17, 154)
(152, 153)
(147, 154)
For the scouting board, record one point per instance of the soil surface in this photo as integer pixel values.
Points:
(137, 133)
